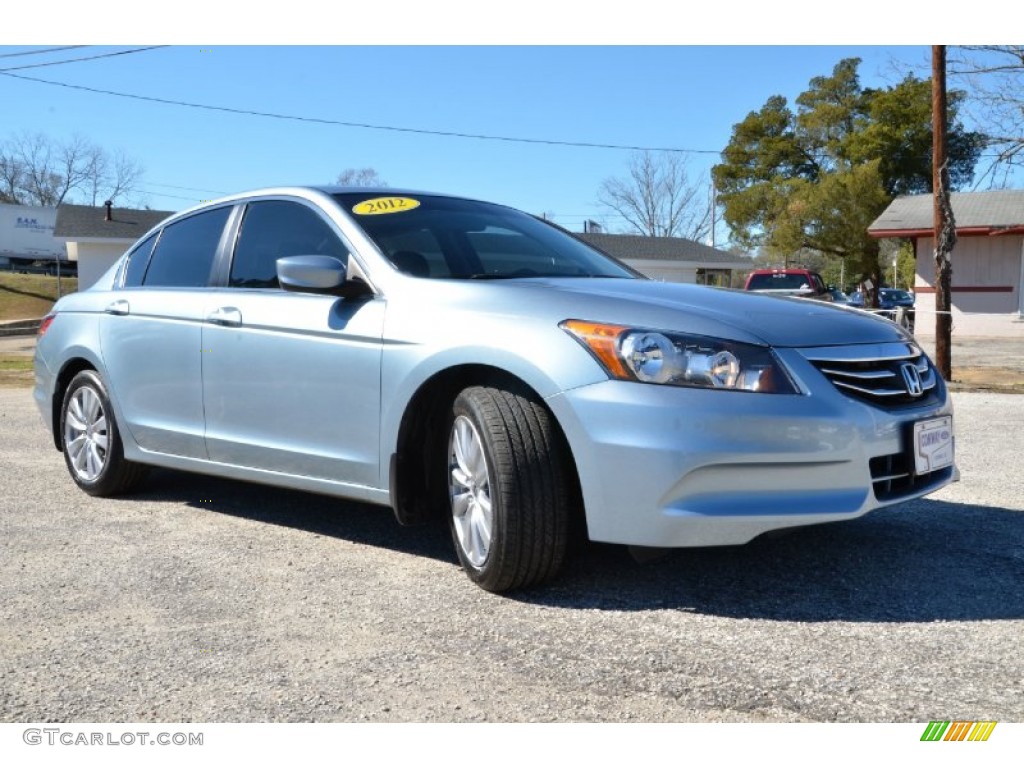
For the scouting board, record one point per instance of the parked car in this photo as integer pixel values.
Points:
(803, 283)
(897, 297)
(838, 296)
(458, 359)
(890, 302)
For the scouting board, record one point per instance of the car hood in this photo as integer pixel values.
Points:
(732, 314)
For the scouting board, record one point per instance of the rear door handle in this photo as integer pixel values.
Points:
(229, 316)
(119, 307)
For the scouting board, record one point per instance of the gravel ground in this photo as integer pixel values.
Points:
(984, 364)
(212, 601)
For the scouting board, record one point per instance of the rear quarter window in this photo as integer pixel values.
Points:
(138, 260)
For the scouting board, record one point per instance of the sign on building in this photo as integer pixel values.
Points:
(26, 232)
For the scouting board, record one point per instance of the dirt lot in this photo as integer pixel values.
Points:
(16, 360)
(208, 600)
(985, 364)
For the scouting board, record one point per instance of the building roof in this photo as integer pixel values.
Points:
(982, 213)
(76, 222)
(644, 248)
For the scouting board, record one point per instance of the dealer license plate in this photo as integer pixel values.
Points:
(933, 444)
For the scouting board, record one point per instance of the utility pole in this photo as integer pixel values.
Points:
(714, 205)
(944, 224)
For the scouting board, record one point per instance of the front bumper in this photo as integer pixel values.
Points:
(664, 466)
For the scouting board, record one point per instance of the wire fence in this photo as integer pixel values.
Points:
(905, 317)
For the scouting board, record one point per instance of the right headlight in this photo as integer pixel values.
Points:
(677, 359)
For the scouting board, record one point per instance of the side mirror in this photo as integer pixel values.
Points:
(316, 274)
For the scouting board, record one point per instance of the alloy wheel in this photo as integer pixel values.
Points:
(85, 434)
(469, 490)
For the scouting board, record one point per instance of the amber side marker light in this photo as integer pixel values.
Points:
(602, 340)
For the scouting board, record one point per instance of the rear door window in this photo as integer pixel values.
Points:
(184, 255)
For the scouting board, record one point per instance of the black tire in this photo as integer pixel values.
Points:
(509, 489)
(91, 440)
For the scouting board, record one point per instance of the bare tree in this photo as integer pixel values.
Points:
(993, 75)
(36, 170)
(111, 176)
(360, 177)
(74, 161)
(657, 198)
(10, 177)
(39, 181)
(99, 170)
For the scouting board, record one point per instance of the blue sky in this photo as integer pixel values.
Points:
(658, 96)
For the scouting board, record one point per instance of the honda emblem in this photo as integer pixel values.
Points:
(912, 379)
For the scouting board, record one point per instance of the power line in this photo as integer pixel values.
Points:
(349, 124)
(188, 189)
(156, 193)
(81, 58)
(41, 50)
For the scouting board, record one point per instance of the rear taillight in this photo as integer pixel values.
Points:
(45, 323)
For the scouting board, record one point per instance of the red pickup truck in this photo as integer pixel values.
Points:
(789, 282)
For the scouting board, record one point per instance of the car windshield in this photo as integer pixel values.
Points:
(779, 281)
(442, 237)
(896, 294)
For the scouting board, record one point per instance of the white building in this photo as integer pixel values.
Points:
(97, 236)
(673, 259)
(988, 260)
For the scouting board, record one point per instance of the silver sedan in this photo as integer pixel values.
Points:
(454, 358)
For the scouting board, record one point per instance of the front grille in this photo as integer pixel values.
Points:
(895, 374)
(892, 477)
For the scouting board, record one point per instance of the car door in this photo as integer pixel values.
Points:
(151, 335)
(291, 381)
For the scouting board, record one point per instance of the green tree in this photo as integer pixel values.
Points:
(815, 178)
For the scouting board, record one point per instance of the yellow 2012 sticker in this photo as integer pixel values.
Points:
(379, 205)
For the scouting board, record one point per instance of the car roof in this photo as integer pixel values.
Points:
(333, 189)
(310, 192)
(307, 191)
(781, 270)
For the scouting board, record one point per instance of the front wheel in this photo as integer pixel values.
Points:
(509, 489)
(92, 444)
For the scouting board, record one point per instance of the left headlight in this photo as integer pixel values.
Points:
(683, 360)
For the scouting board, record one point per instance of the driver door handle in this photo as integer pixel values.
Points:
(229, 316)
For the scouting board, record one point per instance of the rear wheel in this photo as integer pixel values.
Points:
(92, 444)
(508, 489)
